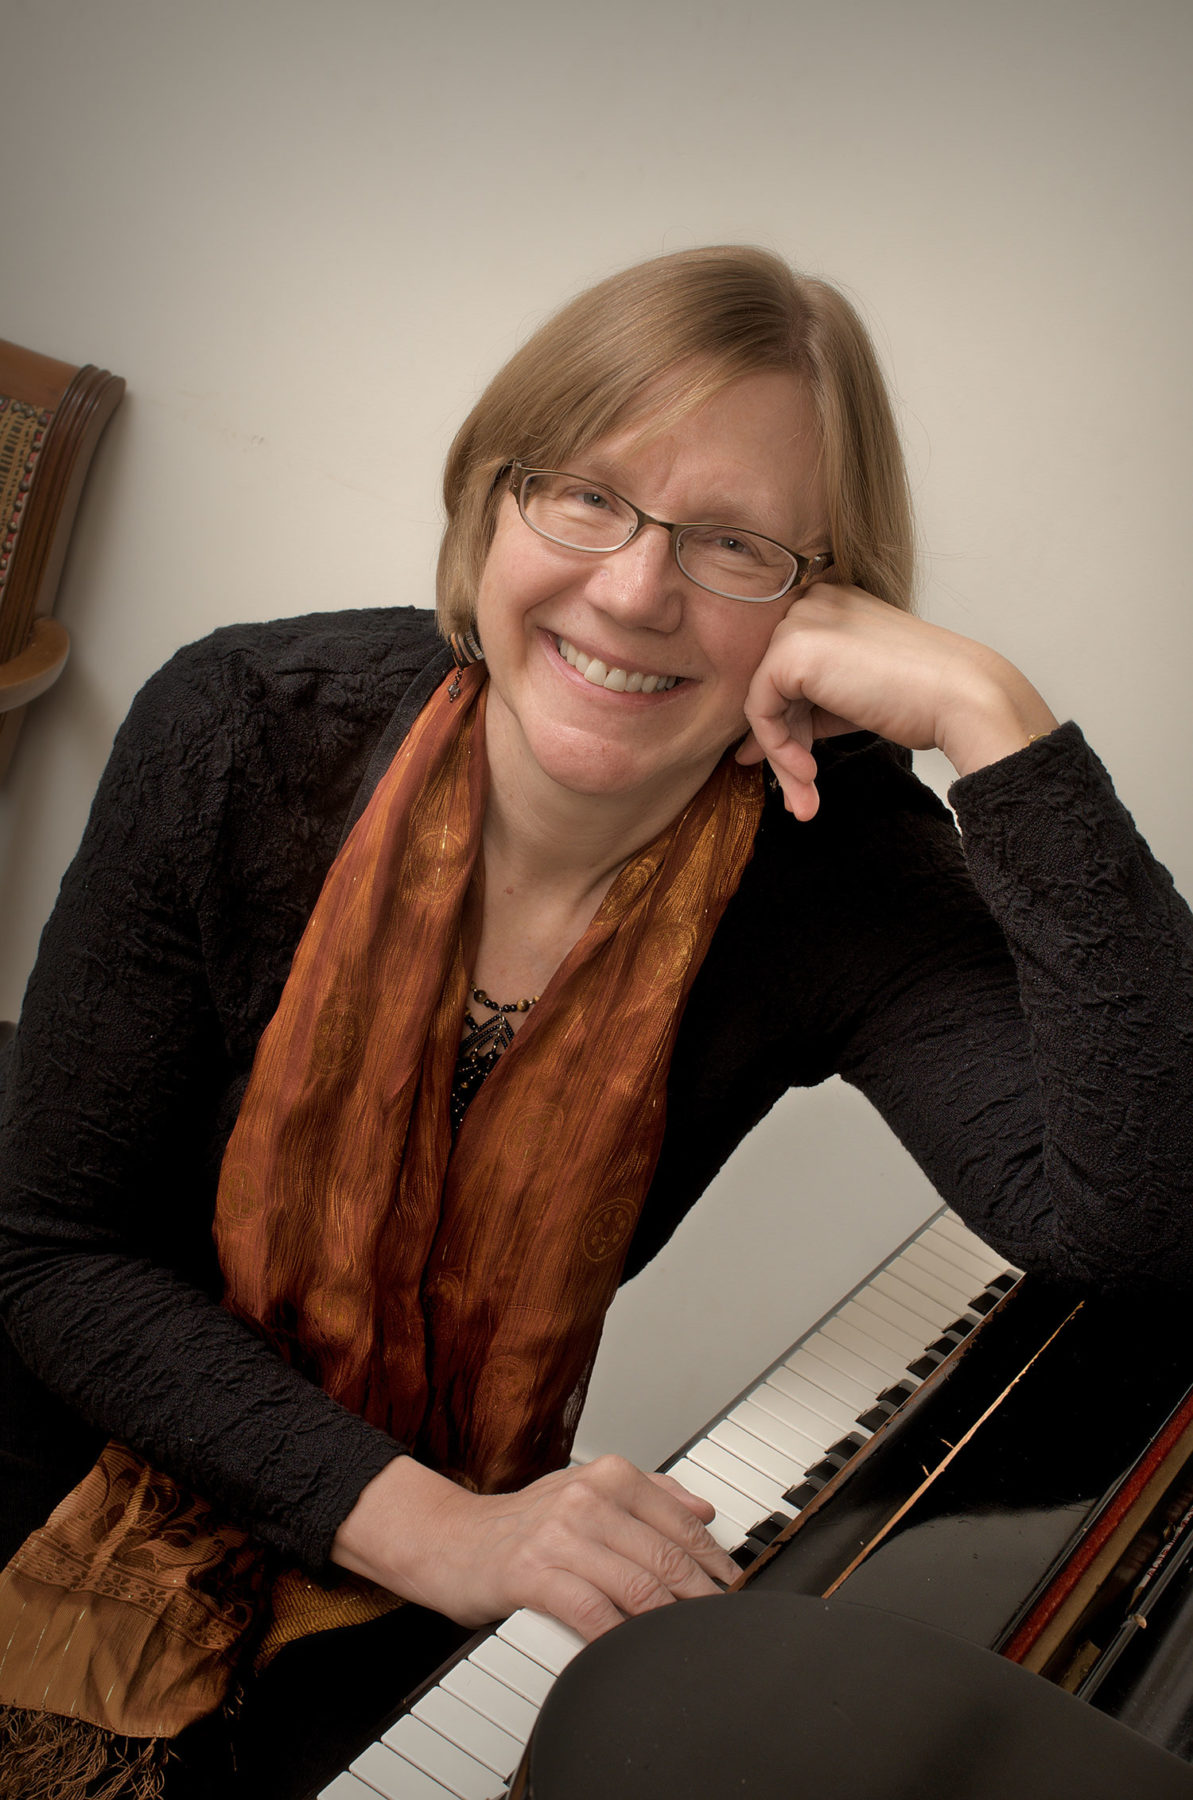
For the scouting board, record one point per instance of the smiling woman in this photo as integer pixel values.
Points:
(441, 993)
(750, 453)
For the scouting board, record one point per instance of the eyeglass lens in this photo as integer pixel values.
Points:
(585, 516)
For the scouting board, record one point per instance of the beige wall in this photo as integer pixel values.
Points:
(305, 234)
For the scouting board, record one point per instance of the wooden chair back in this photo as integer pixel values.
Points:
(51, 417)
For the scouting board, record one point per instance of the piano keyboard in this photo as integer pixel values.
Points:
(759, 1464)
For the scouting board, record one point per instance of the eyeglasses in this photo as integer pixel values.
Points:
(584, 515)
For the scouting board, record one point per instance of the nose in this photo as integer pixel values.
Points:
(642, 584)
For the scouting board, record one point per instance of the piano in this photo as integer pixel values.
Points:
(939, 1447)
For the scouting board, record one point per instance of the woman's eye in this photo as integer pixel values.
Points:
(733, 546)
(592, 498)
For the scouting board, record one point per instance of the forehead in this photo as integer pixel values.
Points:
(751, 452)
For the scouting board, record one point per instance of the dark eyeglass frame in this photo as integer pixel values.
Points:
(805, 570)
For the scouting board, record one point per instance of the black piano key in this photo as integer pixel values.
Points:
(846, 1448)
(935, 1353)
(804, 1493)
(824, 1470)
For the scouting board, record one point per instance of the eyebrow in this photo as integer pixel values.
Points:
(720, 512)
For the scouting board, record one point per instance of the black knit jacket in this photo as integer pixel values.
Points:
(1021, 1013)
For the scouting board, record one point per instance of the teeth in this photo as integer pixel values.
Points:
(615, 681)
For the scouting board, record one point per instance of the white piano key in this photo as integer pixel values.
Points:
(542, 1638)
(492, 1698)
(347, 1787)
(949, 1226)
(764, 1424)
(463, 1725)
(826, 1391)
(885, 1362)
(933, 1244)
(723, 1530)
(772, 1400)
(972, 1275)
(757, 1452)
(528, 1678)
(390, 1774)
(946, 1297)
(966, 1284)
(840, 1355)
(814, 1424)
(431, 1752)
(732, 1507)
(845, 1394)
(911, 1302)
(979, 1269)
(767, 1495)
(869, 1317)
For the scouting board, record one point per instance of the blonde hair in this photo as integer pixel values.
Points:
(651, 345)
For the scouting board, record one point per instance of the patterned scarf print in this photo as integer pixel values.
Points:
(453, 1298)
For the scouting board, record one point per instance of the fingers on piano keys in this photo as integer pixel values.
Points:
(759, 1466)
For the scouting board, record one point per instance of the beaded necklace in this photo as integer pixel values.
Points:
(481, 1048)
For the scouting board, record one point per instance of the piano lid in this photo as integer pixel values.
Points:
(771, 1695)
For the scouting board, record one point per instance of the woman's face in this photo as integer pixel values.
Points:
(749, 457)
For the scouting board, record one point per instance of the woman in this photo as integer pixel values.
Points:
(570, 951)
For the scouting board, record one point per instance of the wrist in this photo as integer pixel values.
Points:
(395, 1516)
(1000, 714)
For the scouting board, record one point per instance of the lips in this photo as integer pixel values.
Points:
(614, 680)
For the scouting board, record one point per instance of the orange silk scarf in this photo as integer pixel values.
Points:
(454, 1298)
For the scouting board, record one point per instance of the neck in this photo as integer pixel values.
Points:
(542, 834)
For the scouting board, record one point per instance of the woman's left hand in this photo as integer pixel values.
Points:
(843, 661)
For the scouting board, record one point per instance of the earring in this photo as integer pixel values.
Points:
(465, 648)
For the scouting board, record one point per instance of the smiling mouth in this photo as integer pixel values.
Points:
(616, 681)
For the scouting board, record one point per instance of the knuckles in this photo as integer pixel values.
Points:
(610, 1473)
(675, 1565)
(592, 1616)
(643, 1592)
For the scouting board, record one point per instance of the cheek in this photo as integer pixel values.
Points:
(737, 655)
(499, 571)
(498, 600)
(518, 573)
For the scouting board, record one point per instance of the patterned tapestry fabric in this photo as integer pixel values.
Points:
(134, 1592)
(22, 434)
(454, 1300)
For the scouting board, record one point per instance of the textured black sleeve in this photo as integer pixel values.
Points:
(1032, 1044)
(123, 1084)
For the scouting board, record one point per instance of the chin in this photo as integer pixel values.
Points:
(606, 768)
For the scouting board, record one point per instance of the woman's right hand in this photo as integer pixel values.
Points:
(589, 1545)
